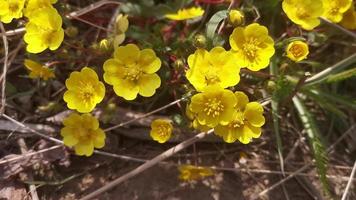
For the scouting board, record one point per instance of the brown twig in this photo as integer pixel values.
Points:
(6, 48)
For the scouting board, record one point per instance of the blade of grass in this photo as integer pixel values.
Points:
(324, 75)
(275, 110)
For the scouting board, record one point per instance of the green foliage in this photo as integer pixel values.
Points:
(342, 76)
(313, 133)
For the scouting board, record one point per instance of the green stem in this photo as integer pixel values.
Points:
(275, 113)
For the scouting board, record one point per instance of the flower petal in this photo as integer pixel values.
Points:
(148, 83)
(254, 114)
(126, 89)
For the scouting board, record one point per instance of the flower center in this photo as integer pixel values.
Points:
(162, 130)
(211, 79)
(213, 107)
(14, 7)
(238, 121)
(302, 13)
(87, 93)
(250, 48)
(133, 73)
(297, 51)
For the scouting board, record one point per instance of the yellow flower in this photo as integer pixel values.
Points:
(84, 90)
(194, 173)
(11, 9)
(132, 72)
(252, 46)
(305, 13)
(236, 18)
(38, 70)
(184, 14)
(349, 19)
(44, 30)
(161, 130)
(297, 50)
(334, 9)
(246, 123)
(215, 67)
(35, 5)
(213, 106)
(83, 133)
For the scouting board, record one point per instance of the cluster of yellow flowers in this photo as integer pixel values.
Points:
(44, 26)
(231, 114)
(307, 13)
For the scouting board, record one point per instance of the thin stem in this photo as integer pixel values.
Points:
(321, 76)
(145, 115)
(328, 22)
(344, 196)
(6, 48)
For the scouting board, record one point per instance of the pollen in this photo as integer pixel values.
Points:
(250, 48)
(213, 107)
(133, 74)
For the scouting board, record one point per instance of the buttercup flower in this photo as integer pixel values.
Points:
(38, 70)
(334, 9)
(305, 13)
(213, 106)
(132, 72)
(44, 30)
(297, 50)
(11, 9)
(161, 130)
(194, 173)
(349, 19)
(84, 90)
(83, 133)
(184, 14)
(252, 46)
(215, 67)
(246, 123)
(34, 5)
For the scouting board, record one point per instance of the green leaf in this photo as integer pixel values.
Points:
(214, 22)
(342, 75)
(313, 133)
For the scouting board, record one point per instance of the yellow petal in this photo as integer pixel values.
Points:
(126, 89)
(148, 83)
(149, 61)
(84, 148)
(56, 40)
(242, 100)
(127, 54)
(254, 114)
(99, 139)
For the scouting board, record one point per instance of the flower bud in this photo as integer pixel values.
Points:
(104, 45)
(199, 41)
(71, 31)
(178, 64)
(236, 18)
(122, 23)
